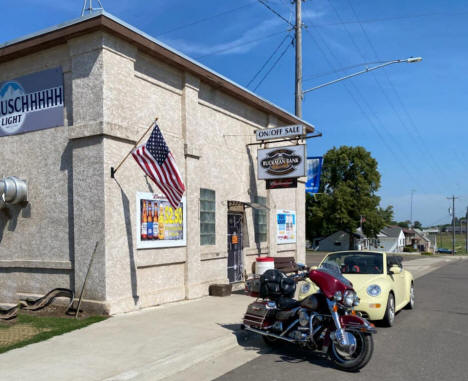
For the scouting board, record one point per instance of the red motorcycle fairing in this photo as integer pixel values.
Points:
(356, 322)
(327, 283)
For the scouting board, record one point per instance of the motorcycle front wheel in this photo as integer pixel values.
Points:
(359, 358)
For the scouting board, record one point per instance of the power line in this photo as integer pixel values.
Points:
(268, 60)
(199, 21)
(415, 134)
(272, 67)
(395, 111)
(340, 70)
(275, 12)
(363, 111)
(369, 21)
(240, 44)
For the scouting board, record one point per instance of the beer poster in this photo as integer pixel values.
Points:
(286, 226)
(158, 224)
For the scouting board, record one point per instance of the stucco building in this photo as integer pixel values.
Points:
(116, 80)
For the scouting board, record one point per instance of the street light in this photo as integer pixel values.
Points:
(407, 60)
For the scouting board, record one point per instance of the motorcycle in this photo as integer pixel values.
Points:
(323, 322)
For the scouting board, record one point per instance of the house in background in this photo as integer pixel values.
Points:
(340, 241)
(391, 239)
(410, 237)
(431, 234)
(423, 242)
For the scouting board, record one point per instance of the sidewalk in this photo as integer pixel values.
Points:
(154, 344)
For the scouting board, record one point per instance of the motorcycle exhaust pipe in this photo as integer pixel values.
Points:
(263, 333)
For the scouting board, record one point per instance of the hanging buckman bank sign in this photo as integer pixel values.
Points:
(281, 162)
(33, 102)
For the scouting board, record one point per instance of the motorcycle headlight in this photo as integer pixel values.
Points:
(356, 301)
(338, 296)
(374, 290)
(305, 288)
(349, 298)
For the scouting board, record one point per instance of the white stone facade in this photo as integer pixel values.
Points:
(113, 90)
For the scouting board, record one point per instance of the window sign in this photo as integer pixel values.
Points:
(158, 224)
(286, 226)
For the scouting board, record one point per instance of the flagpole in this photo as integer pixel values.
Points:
(114, 170)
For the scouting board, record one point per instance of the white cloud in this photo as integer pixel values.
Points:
(240, 45)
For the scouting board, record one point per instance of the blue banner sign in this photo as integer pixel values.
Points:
(314, 169)
(33, 102)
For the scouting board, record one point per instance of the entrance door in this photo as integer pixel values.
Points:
(235, 266)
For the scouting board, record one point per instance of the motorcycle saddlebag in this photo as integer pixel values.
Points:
(259, 314)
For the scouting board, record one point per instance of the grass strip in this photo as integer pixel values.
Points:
(55, 326)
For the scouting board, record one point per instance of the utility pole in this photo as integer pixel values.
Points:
(466, 227)
(411, 212)
(453, 222)
(298, 30)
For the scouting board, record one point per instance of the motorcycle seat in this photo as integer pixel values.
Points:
(285, 303)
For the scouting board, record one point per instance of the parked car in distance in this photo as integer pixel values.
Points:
(442, 250)
(379, 279)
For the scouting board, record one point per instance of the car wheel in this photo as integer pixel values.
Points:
(389, 316)
(410, 304)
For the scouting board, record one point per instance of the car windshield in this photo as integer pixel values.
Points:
(356, 262)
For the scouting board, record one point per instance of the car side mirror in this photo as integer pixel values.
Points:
(395, 269)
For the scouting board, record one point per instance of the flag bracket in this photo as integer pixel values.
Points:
(114, 170)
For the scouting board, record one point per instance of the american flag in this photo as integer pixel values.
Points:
(158, 163)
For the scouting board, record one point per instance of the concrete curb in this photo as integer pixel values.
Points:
(178, 362)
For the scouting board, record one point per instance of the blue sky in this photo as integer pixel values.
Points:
(411, 117)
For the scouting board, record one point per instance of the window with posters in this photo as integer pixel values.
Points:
(286, 226)
(158, 224)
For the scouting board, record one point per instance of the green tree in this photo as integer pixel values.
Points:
(417, 225)
(349, 183)
(404, 224)
(387, 214)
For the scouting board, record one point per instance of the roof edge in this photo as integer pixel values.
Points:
(100, 19)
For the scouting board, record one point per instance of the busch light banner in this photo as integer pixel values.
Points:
(33, 102)
(314, 169)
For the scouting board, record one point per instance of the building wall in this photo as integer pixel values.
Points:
(208, 132)
(112, 94)
(35, 239)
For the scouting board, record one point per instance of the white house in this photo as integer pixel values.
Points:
(391, 239)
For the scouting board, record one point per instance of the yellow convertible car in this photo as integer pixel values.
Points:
(379, 280)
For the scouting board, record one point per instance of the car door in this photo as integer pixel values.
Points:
(397, 280)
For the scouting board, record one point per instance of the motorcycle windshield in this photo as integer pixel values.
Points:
(334, 270)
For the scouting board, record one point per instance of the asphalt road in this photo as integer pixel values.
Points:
(428, 343)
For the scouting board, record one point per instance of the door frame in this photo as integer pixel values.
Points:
(239, 264)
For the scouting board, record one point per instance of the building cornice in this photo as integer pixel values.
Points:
(60, 34)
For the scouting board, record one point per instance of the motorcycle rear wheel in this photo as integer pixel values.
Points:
(360, 357)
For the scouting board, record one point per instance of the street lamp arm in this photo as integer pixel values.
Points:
(407, 60)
